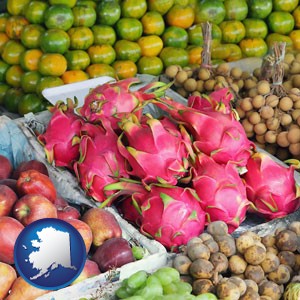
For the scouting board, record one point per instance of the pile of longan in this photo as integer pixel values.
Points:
(247, 267)
(272, 121)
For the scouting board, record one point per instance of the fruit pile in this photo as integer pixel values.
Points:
(269, 113)
(27, 194)
(112, 146)
(50, 43)
(245, 267)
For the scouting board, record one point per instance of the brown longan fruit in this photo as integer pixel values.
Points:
(203, 74)
(260, 138)
(223, 68)
(236, 72)
(190, 84)
(294, 149)
(172, 70)
(240, 112)
(263, 87)
(272, 123)
(282, 140)
(296, 104)
(257, 72)
(246, 104)
(286, 119)
(272, 100)
(258, 101)
(245, 75)
(295, 67)
(266, 112)
(296, 80)
(260, 128)
(209, 85)
(294, 135)
(254, 117)
(287, 85)
(182, 92)
(289, 57)
(249, 83)
(252, 92)
(200, 86)
(294, 94)
(181, 77)
(271, 136)
(285, 103)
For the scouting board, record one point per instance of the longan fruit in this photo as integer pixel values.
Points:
(271, 136)
(294, 149)
(298, 120)
(287, 85)
(258, 101)
(246, 104)
(257, 72)
(254, 117)
(260, 128)
(286, 103)
(272, 100)
(266, 112)
(273, 123)
(209, 85)
(223, 68)
(200, 86)
(189, 71)
(252, 92)
(245, 75)
(182, 92)
(296, 80)
(295, 67)
(263, 87)
(296, 104)
(181, 77)
(289, 57)
(240, 112)
(172, 70)
(249, 83)
(236, 72)
(294, 135)
(235, 87)
(295, 113)
(203, 74)
(190, 85)
(294, 94)
(282, 139)
(260, 138)
(248, 127)
(286, 119)
(196, 93)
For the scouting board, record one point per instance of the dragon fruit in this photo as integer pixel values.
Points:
(115, 100)
(62, 136)
(221, 191)
(155, 149)
(100, 162)
(171, 215)
(271, 186)
(217, 134)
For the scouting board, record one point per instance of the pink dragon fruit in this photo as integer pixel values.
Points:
(271, 186)
(100, 162)
(171, 215)
(156, 150)
(62, 136)
(217, 134)
(221, 191)
(116, 100)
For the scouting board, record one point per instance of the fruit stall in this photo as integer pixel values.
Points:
(166, 132)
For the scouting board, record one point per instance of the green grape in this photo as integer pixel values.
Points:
(170, 288)
(150, 291)
(152, 280)
(206, 296)
(174, 297)
(184, 288)
(121, 293)
(137, 279)
(138, 252)
(166, 275)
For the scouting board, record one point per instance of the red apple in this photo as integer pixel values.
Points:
(6, 167)
(30, 165)
(60, 202)
(10, 229)
(34, 182)
(7, 276)
(21, 289)
(90, 269)
(7, 199)
(103, 223)
(12, 183)
(113, 253)
(85, 231)
(32, 207)
(67, 212)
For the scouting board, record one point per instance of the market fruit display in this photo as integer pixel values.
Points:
(87, 39)
(114, 151)
(20, 206)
